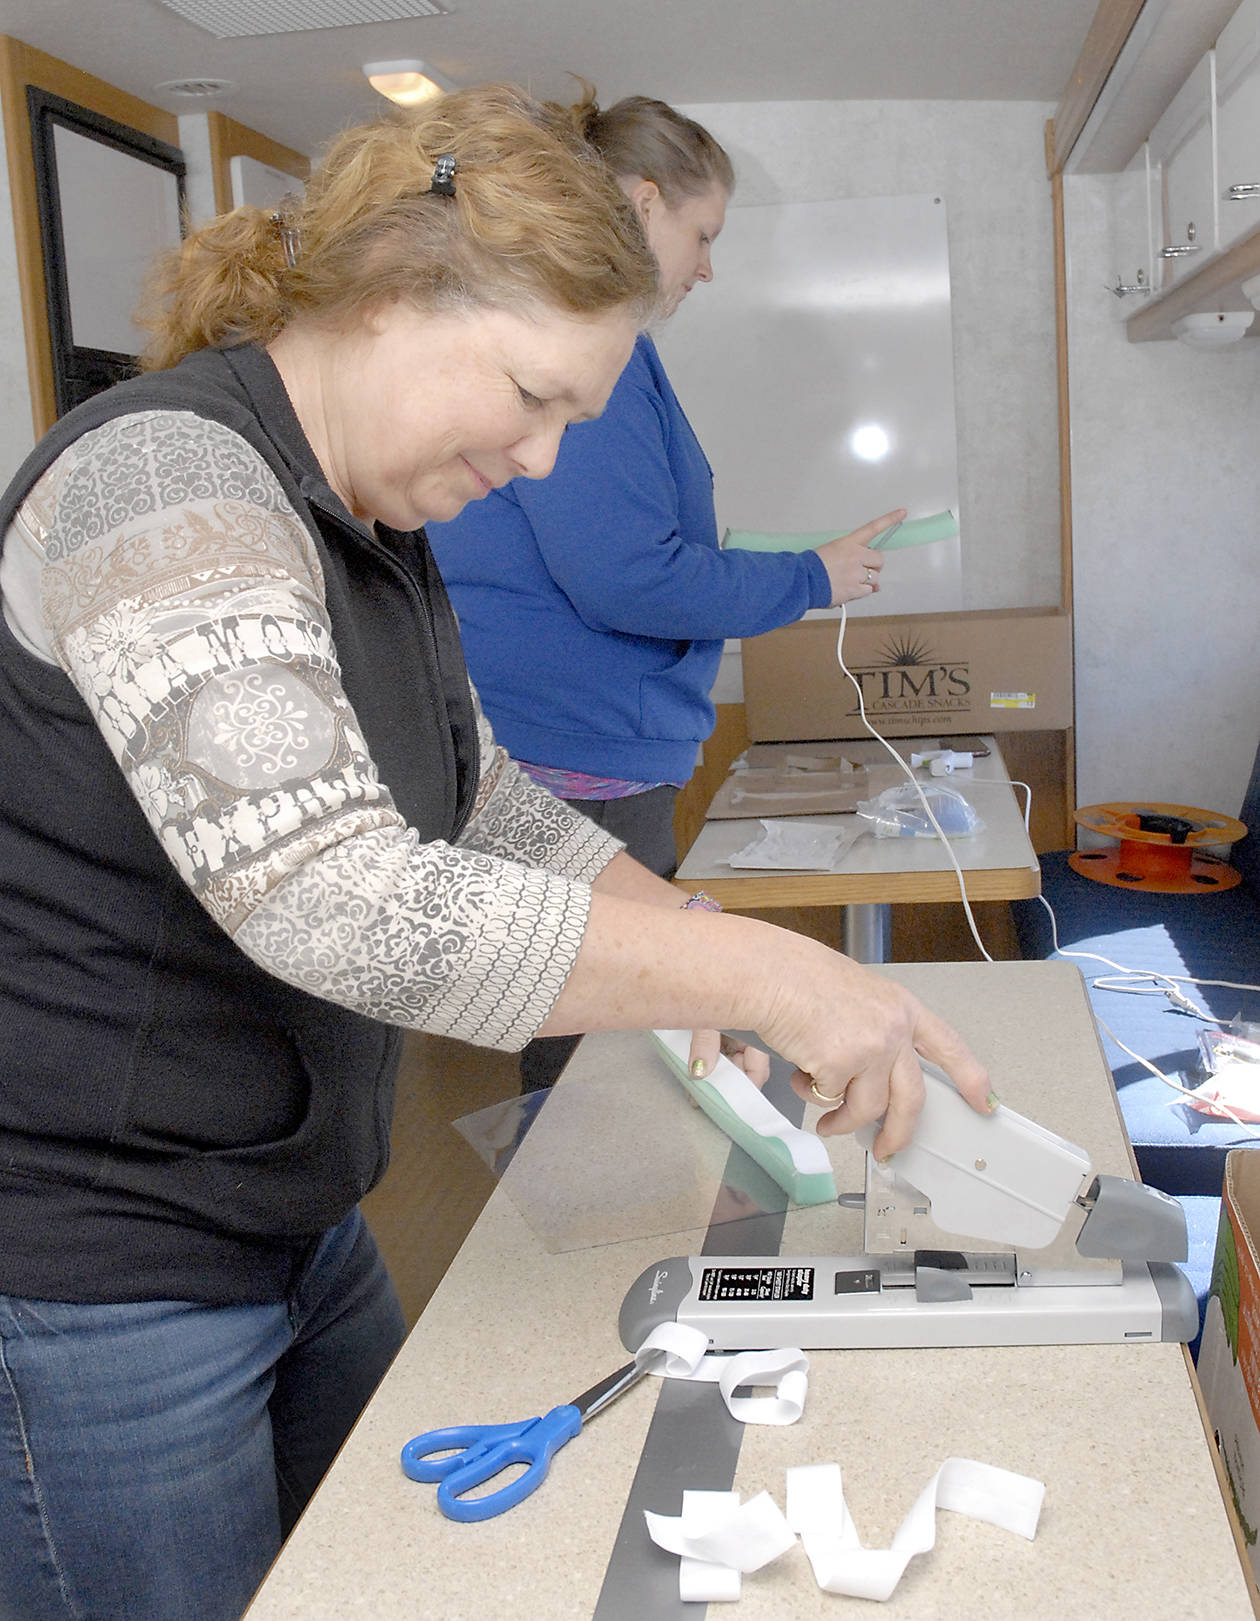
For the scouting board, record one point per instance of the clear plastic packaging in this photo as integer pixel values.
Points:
(898, 812)
(795, 846)
(1226, 1084)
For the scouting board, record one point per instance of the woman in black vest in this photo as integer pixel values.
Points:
(253, 825)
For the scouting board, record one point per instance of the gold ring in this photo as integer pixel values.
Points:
(822, 1096)
(870, 576)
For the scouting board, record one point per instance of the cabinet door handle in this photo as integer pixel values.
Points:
(1243, 191)
(1178, 250)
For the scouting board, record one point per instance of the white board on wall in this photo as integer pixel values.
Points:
(260, 184)
(827, 334)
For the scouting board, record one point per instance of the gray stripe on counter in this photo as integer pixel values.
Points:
(692, 1442)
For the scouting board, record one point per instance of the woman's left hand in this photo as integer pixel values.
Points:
(852, 567)
(706, 1045)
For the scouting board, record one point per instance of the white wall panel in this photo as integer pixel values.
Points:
(1166, 569)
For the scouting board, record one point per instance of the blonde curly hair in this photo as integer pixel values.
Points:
(536, 218)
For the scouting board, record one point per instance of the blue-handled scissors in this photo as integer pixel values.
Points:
(476, 1453)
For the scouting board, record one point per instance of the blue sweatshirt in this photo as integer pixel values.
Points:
(594, 603)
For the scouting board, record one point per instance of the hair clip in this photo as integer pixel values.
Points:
(290, 238)
(444, 175)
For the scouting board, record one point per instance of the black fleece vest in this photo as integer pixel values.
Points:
(174, 1122)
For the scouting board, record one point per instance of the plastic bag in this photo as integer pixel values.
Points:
(795, 846)
(898, 812)
(1227, 1085)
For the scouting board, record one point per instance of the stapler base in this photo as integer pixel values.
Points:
(867, 1302)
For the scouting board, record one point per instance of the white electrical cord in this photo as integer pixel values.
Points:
(1162, 984)
(1170, 991)
(918, 787)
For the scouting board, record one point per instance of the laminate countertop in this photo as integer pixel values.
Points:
(1133, 1523)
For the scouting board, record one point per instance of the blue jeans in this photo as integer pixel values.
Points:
(153, 1455)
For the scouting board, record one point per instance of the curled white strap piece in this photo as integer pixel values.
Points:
(817, 1510)
(718, 1541)
(673, 1350)
(677, 1351)
(787, 1371)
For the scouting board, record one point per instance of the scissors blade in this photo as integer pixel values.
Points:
(599, 1396)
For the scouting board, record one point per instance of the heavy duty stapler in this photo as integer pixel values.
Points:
(986, 1230)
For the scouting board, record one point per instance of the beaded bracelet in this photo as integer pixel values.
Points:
(700, 902)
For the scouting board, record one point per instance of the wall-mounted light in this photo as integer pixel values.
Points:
(1214, 329)
(408, 83)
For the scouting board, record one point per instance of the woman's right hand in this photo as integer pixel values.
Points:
(852, 567)
(647, 963)
(856, 1039)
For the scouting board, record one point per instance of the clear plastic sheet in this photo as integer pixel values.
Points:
(668, 1169)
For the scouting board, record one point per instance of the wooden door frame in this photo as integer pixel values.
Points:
(229, 140)
(22, 65)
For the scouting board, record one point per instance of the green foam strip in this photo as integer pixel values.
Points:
(913, 532)
(770, 1152)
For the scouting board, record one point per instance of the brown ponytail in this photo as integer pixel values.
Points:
(650, 139)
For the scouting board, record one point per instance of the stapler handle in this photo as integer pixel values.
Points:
(997, 1176)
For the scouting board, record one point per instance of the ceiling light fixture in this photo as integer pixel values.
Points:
(1213, 329)
(407, 83)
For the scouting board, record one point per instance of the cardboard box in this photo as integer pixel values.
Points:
(921, 675)
(1229, 1352)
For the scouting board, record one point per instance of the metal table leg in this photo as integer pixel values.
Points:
(868, 932)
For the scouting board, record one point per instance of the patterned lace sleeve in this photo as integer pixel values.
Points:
(516, 819)
(185, 599)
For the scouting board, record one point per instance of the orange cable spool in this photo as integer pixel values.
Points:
(1158, 849)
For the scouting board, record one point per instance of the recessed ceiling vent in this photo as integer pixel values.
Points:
(245, 19)
(196, 89)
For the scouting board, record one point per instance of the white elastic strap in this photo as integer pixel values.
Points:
(718, 1541)
(673, 1350)
(677, 1351)
(702, 1581)
(808, 1152)
(817, 1510)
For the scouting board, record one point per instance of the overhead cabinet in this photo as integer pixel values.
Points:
(1238, 124)
(1201, 163)
(1183, 160)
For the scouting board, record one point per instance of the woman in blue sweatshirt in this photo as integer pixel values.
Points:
(594, 603)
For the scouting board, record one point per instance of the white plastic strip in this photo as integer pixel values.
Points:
(817, 1510)
(677, 1351)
